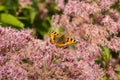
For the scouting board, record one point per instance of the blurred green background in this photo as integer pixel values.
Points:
(22, 14)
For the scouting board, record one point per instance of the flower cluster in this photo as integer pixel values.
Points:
(12, 40)
(114, 44)
(92, 23)
(38, 59)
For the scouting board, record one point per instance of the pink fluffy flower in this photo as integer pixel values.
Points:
(75, 8)
(106, 4)
(88, 22)
(12, 40)
(94, 33)
(42, 60)
(24, 3)
(60, 4)
(23, 57)
(12, 71)
(114, 44)
(111, 73)
(2, 60)
(87, 51)
(114, 15)
(110, 25)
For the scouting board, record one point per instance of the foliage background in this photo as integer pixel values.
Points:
(28, 14)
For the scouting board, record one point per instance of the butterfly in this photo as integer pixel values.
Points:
(60, 40)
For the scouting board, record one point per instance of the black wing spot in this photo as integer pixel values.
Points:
(54, 32)
(67, 39)
(74, 40)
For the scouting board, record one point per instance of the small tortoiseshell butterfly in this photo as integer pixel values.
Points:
(60, 40)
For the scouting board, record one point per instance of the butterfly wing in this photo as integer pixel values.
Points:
(53, 37)
(70, 41)
(60, 44)
(60, 40)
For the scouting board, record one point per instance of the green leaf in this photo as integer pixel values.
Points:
(22, 18)
(32, 16)
(42, 32)
(11, 20)
(28, 7)
(106, 54)
(24, 60)
(11, 5)
(49, 21)
(51, 8)
(2, 8)
(55, 59)
(43, 26)
(118, 75)
(106, 78)
(117, 69)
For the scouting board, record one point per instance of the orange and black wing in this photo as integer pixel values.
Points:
(53, 35)
(70, 41)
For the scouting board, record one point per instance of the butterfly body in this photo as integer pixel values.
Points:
(60, 40)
